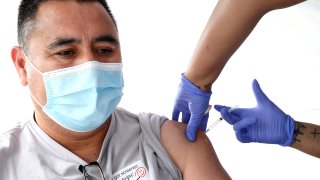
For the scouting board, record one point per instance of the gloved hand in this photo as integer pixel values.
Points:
(192, 103)
(265, 123)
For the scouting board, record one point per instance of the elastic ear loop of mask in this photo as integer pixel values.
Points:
(31, 64)
(35, 68)
(43, 109)
(34, 98)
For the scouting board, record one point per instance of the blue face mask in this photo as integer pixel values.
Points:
(81, 98)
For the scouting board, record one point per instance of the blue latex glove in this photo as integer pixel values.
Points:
(192, 102)
(265, 123)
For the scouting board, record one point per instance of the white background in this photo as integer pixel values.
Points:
(158, 38)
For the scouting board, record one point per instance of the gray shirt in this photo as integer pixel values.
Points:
(131, 150)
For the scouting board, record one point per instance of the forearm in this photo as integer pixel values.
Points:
(229, 25)
(307, 138)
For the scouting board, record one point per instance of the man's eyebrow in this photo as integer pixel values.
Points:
(106, 38)
(61, 42)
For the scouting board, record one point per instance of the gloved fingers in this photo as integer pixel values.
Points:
(185, 117)
(191, 133)
(242, 136)
(204, 123)
(219, 107)
(226, 115)
(241, 112)
(193, 126)
(244, 123)
(175, 114)
(230, 118)
(258, 93)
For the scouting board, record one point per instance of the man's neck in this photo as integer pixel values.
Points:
(86, 145)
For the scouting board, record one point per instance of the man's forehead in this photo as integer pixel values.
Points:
(70, 8)
(70, 19)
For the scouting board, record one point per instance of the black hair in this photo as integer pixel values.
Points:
(28, 10)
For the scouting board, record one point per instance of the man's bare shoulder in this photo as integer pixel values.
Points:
(194, 159)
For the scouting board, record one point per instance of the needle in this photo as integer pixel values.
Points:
(214, 124)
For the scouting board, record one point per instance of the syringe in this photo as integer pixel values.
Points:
(214, 124)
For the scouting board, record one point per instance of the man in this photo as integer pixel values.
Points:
(69, 57)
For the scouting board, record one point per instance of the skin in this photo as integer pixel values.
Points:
(212, 52)
(66, 20)
(196, 160)
(306, 138)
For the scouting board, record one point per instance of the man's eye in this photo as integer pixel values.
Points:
(65, 54)
(104, 51)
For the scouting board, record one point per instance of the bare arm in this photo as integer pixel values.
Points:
(307, 138)
(230, 24)
(195, 160)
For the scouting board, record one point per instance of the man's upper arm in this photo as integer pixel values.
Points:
(195, 160)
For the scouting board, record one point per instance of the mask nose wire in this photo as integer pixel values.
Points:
(31, 64)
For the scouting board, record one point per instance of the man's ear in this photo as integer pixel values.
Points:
(19, 62)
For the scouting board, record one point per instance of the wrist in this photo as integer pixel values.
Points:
(190, 86)
(289, 131)
(201, 83)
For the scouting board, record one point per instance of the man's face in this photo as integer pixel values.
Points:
(67, 33)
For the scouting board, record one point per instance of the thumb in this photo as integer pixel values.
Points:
(258, 93)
